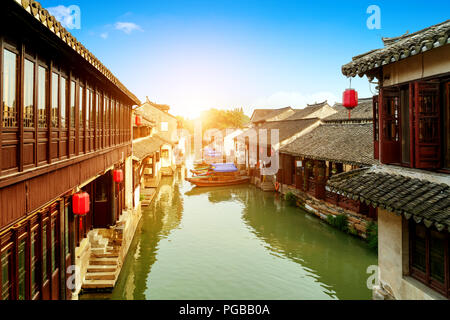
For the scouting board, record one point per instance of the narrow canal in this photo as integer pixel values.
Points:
(237, 243)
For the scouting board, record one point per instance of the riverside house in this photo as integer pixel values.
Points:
(290, 123)
(165, 129)
(65, 127)
(411, 187)
(337, 145)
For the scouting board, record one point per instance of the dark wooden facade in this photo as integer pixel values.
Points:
(412, 128)
(63, 123)
(310, 176)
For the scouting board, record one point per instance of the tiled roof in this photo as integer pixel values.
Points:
(286, 128)
(267, 114)
(145, 120)
(36, 10)
(350, 143)
(399, 48)
(363, 111)
(146, 147)
(423, 200)
(307, 111)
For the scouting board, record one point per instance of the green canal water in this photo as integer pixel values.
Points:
(237, 243)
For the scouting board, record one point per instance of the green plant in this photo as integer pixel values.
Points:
(290, 198)
(372, 235)
(352, 230)
(141, 197)
(339, 222)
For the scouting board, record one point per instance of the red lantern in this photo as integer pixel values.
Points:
(80, 203)
(118, 175)
(138, 120)
(350, 100)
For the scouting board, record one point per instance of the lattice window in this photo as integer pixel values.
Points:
(28, 106)
(9, 89)
(42, 97)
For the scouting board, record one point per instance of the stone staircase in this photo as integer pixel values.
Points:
(103, 269)
(268, 184)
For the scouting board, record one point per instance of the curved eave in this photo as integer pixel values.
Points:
(362, 66)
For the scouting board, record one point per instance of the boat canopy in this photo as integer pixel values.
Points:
(224, 167)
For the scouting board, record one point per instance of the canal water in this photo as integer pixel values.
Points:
(237, 243)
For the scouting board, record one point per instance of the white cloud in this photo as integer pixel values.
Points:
(127, 27)
(294, 99)
(67, 16)
(104, 35)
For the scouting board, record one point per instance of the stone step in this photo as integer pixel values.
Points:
(105, 255)
(101, 276)
(101, 268)
(103, 261)
(98, 250)
(98, 284)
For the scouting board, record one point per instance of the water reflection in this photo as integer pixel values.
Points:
(237, 243)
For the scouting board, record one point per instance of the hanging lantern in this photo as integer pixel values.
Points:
(80, 205)
(118, 175)
(350, 98)
(138, 120)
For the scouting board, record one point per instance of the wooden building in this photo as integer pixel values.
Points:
(412, 141)
(65, 124)
(166, 126)
(337, 145)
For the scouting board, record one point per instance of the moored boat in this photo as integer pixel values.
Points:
(219, 174)
(213, 181)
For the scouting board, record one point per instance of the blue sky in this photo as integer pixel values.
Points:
(195, 55)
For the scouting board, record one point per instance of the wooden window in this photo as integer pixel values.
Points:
(389, 105)
(63, 101)
(165, 153)
(427, 125)
(28, 96)
(88, 107)
(34, 262)
(447, 126)
(42, 97)
(21, 268)
(6, 283)
(429, 257)
(80, 107)
(72, 104)
(54, 248)
(91, 109)
(44, 252)
(9, 89)
(55, 91)
(405, 129)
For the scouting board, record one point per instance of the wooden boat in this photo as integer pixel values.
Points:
(203, 172)
(213, 181)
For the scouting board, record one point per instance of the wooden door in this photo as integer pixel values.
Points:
(102, 201)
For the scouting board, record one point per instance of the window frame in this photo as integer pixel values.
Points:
(425, 277)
